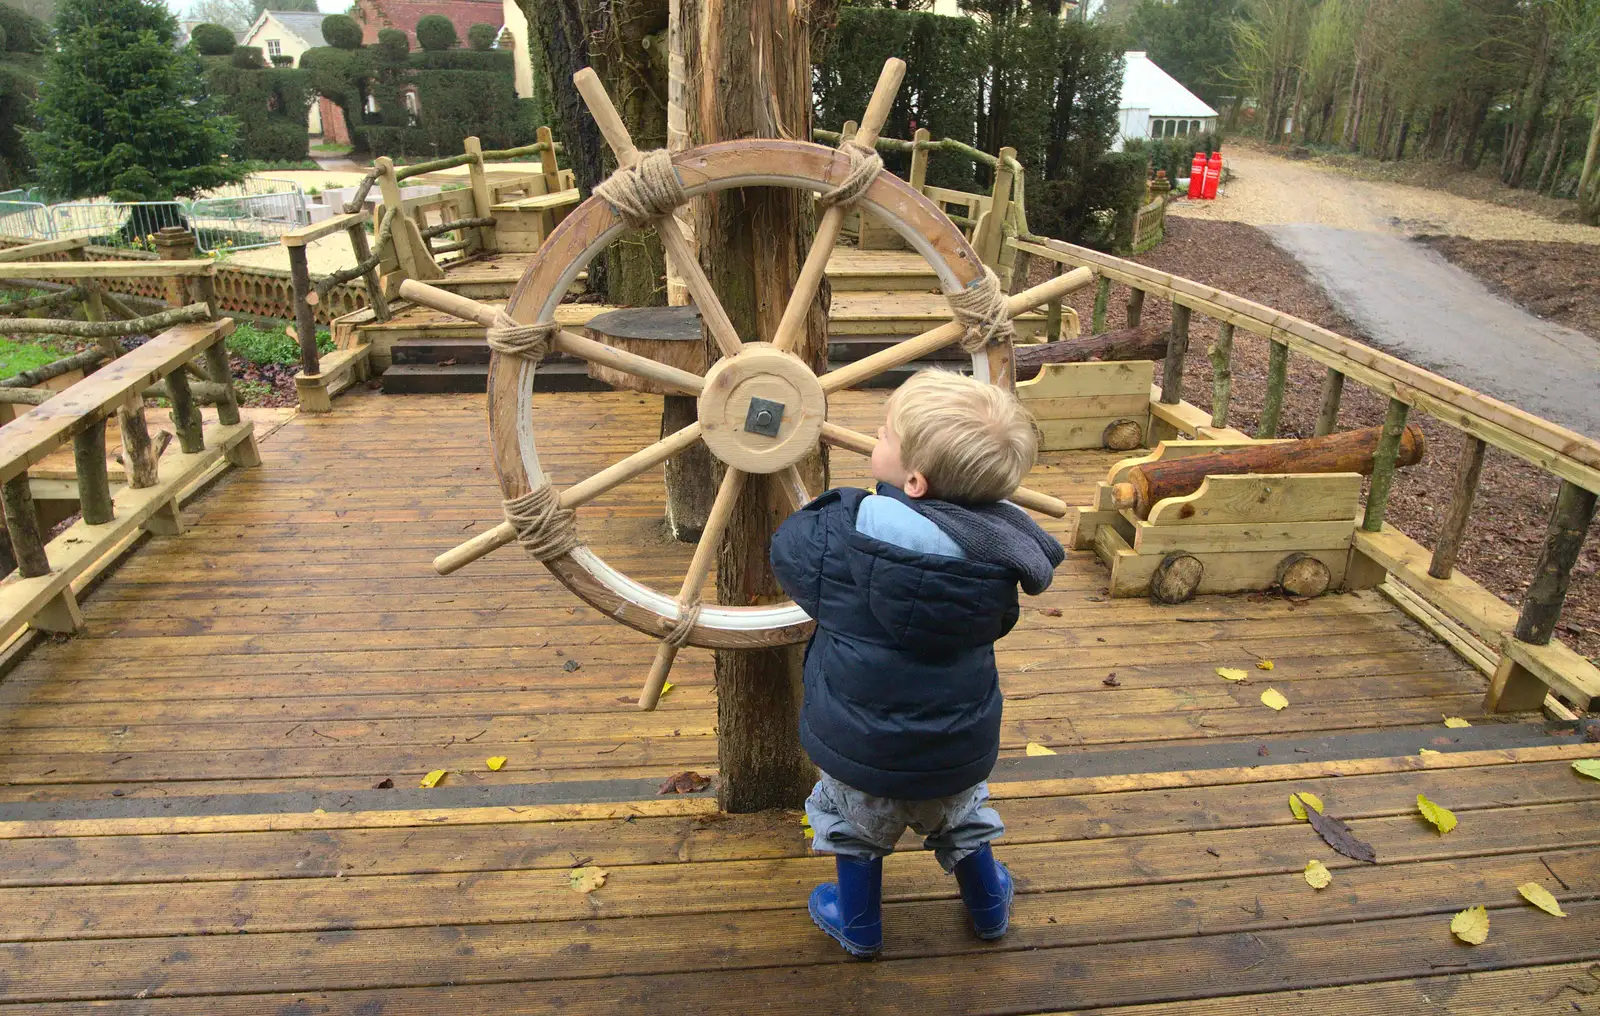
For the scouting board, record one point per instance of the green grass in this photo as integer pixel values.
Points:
(261, 346)
(252, 393)
(16, 357)
(327, 149)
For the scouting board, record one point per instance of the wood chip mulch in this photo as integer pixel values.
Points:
(1559, 282)
(1514, 499)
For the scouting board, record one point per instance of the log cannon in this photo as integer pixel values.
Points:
(1350, 451)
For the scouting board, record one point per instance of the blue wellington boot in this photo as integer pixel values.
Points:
(851, 910)
(986, 890)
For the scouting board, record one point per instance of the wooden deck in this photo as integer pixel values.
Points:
(195, 814)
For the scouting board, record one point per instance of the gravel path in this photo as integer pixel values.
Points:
(1269, 190)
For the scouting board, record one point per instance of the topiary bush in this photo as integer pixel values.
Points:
(247, 58)
(435, 33)
(212, 40)
(482, 37)
(393, 44)
(282, 60)
(341, 31)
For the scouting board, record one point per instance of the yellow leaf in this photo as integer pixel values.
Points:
(1298, 801)
(318, 811)
(1589, 767)
(433, 778)
(805, 827)
(1273, 699)
(495, 763)
(1231, 674)
(1540, 897)
(1426, 751)
(1263, 664)
(1471, 925)
(667, 687)
(1317, 875)
(1443, 819)
(1035, 748)
(1455, 722)
(587, 879)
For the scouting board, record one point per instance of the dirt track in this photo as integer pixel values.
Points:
(1268, 190)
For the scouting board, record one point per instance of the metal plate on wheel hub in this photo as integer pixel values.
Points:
(764, 417)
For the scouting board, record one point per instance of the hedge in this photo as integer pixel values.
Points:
(1174, 155)
(212, 40)
(436, 33)
(270, 104)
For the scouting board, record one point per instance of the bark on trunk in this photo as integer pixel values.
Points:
(1589, 179)
(749, 75)
(1123, 344)
(1531, 106)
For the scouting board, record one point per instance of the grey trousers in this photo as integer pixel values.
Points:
(845, 820)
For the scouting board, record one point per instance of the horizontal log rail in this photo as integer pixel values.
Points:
(1530, 661)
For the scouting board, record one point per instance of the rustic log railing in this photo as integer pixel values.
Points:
(1530, 662)
(484, 217)
(45, 575)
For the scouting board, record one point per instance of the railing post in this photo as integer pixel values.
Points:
(220, 371)
(174, 243)
(1383, 459)
(1454, 529)
(61, 613)
(94, 483)
(363, 250)
(547, 161)
(305, 316)
(185, 414)
(988, 243)
(138, 451)
(1221, 356)
(1177, 347)
(481, 201)
(919, 160)
(1277, 378)
(1569, 523)
(1135, 307)
(1052, 311)
(1102, 298)
(1332, 393)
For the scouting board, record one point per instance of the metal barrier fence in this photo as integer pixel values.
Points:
(241, 216)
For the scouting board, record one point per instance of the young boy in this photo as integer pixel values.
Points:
(910, 587)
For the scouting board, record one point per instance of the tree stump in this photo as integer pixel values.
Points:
(1176, 578)
(671, 335)
(1303, 575)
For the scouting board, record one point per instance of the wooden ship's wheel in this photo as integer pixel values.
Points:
(760, 408)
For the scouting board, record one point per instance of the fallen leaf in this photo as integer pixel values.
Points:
(1035, 748)
(1340, 837)
(1231, 674)
(1589, 767)
(433, 778)
(495, 763)
(1455, 722)
(1273, 699)
(586, 879)
(1298, 801)
(1427, 751)
(686, 782)
(1111, 681)
(1263, 751)
(318, 811)
(1443, 819)
(666, 688)
(1317, 875)
(387, 783)
(1263, 664)
(805, 827)
(1471, 925)
(1540, 897)
(1050, 611)
(571, 665)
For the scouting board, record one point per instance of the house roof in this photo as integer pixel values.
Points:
(404, 15)
(1146, 86)
(306, 25)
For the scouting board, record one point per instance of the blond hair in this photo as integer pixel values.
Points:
(974, 442)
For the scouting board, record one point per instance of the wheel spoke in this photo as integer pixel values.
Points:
(937, 338)
(853, 440)
(580, 493)
(712, 312)
(793, 325)
(794, 486)
(705, 552)
(594, 351)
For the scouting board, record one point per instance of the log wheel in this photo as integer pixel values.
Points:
(760, 407)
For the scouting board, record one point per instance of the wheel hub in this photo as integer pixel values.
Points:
(762, 410)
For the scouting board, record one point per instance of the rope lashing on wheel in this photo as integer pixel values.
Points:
(865, 165)
(513, 339)
(688, 617)
(646, 190)
(544, 528)
(981, 309)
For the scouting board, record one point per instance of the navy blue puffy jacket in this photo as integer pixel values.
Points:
(902, 698)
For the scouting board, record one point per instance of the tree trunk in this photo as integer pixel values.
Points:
(749, 75)
(1589, 178)
(1471, 152)
(1529, 110)
(1554, 151)
(564, 41)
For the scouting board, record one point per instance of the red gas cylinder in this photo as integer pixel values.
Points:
(1213, 176)
(1197, 174)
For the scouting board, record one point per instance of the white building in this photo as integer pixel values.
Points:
(1154, 105)
(290, 34)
